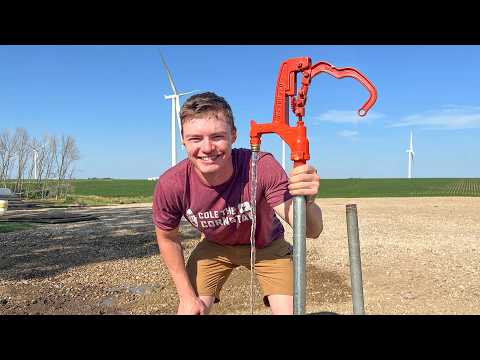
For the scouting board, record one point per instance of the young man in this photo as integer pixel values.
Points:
(212, 190)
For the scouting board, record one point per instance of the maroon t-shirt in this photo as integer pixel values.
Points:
(223, 213)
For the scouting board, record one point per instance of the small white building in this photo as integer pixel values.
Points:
(153, 178)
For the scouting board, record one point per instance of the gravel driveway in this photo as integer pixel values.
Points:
(419, 256)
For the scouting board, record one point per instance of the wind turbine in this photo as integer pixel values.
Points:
(410, 156)
(35, 156)
(175, 97)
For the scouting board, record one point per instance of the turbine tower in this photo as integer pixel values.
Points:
(410, 156)
(175, 97)
(35, 156)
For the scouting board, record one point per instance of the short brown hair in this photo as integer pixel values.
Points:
(204, 103)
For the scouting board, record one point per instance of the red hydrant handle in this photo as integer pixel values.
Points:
(296, 136)
(339, 73)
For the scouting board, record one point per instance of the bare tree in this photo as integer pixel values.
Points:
(65, 158)
(44, 167)
(42, 151)
(50, 156)
(20, 140)
(6, 155)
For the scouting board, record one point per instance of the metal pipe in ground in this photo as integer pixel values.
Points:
(299, 254)
(355, 260)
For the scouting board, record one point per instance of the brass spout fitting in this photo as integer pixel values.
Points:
(255, 147)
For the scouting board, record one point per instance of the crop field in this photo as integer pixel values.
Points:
(114, 188)
(329, 188)
(338, 188)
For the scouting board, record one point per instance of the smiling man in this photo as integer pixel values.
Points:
(211, 188)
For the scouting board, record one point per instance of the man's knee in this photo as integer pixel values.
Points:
(281, 304)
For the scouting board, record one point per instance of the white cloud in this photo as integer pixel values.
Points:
(348, 133)
(346, 116)
(448, 117)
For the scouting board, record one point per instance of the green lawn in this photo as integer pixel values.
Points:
(11, 226)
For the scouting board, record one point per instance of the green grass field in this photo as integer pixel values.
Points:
(141, 190)
(12, 226)
(115, 188)
(106, 192)
(330, 188)
(109, 192)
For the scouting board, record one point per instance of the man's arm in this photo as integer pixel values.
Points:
(303, 181)
(172, 254)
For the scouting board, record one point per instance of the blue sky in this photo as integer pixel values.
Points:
(111, 99)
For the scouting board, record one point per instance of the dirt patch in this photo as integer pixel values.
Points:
(419, 256)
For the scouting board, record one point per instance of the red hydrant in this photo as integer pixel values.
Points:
(296, 138)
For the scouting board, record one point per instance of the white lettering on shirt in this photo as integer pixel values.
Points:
(215, 218)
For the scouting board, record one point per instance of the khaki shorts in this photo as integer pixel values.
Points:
(210, 265)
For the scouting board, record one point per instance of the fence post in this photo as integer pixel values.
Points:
(355, 260)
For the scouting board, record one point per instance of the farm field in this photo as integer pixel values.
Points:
(114, 188)
(112, 191)
(142, 190)
(340, 188)
(96, 192)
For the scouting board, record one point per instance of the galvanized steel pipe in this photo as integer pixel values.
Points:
(355, 260)
(299, 254)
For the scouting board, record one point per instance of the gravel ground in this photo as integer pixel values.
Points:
(419, 256)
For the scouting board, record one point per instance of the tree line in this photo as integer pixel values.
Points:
(37, 168)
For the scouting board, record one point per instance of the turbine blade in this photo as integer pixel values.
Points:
(169, 75)
(186, 93)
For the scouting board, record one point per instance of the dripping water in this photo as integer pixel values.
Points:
(253, 203)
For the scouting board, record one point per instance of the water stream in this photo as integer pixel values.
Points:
(253, 204)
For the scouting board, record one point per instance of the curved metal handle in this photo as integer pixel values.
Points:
(339, 73)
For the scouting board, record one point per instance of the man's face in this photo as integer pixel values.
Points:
(208, 140)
